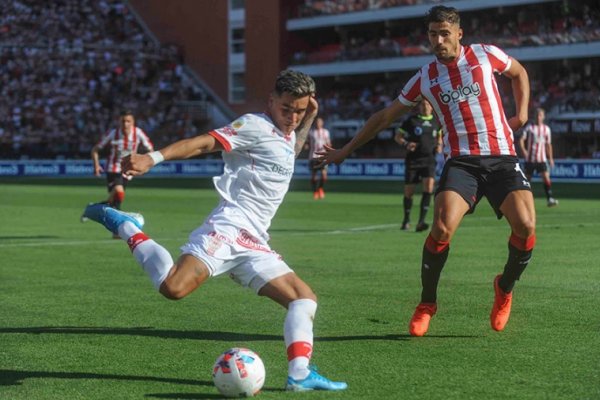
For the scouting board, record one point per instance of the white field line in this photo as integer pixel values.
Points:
(358, 229)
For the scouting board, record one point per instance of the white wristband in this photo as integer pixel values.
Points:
(156, 156)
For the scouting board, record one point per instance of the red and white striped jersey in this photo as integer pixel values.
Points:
(537, 137)
(318, 138)
(465, 98)
(122, 145)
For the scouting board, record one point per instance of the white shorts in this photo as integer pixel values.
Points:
(228, 249)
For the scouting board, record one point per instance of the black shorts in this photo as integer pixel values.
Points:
(417, 169)
(474, 177)
(312, 165)
(531, 167)
(113, 179)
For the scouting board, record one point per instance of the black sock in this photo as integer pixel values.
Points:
(425, 201)
(431, 269)
(313, 183)
(516, 264)
(408, 202)
(548, 190)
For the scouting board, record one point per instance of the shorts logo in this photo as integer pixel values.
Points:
(245, 239)
(460, 93)
(228, 130)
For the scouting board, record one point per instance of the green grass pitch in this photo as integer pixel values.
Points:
(80, 320)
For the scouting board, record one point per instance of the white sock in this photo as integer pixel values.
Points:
(154, 259)
(127, 229)
(298, 336)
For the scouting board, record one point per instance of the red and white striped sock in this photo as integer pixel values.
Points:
(298, 336)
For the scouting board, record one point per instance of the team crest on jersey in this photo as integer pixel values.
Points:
(238, 123)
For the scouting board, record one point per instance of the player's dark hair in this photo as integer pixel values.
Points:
(296, 83)
(125, 113)
(442, 14)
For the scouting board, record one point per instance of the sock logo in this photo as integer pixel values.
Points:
(460, 93)
(135, 240)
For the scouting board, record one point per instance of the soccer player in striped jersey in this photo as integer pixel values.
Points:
(259, 152)
(122, 141)
(318, 138)
(478, 141)
(538, 152)
(421, 136)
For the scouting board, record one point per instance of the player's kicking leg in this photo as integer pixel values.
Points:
(154, 259)
(291, 292)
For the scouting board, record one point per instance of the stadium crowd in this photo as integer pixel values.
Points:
(61, 90)
(532, 25)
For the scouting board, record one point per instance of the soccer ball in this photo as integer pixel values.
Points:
(239, 372)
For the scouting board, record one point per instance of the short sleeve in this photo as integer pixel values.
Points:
(106, 138)
(239, 134)
(411, 93)
(499, 60)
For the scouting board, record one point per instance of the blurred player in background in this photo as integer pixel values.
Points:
(478, 139)
(538, 152)
(421, 136)
(122, 141)
(259, 152)
(318, 138)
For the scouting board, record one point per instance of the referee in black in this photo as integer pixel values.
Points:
(421, 136)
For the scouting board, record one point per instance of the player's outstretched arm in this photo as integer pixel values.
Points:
(139, 164)
(375, 124)
(520, 87)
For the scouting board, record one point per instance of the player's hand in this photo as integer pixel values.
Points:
(313, 107)
(98, 170)
(136, 164)
(551, 163)
(515, 123)
(330, 155)
(411, 146)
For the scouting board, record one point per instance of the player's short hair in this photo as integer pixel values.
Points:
(296, 83)
(540, 109)
(126, 113)
(442, 14)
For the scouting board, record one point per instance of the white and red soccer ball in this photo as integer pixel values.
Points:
(239, 372)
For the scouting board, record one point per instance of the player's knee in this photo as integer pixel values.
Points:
(173, 291)
(441, 231)
(524, 228)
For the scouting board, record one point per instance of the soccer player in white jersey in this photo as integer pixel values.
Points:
(259, 152)
(123, 140)
(478, 140)
(538, 152)
(318, 138)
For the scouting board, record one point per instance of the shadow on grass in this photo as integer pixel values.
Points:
(9, 377)
(194, 335)
(15, 377)
(28, 237)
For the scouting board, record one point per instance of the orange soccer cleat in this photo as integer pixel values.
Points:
(419, 323)
(321, 193)
(501, 309)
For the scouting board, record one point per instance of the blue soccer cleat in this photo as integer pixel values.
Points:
(111, 218)
(313, 381)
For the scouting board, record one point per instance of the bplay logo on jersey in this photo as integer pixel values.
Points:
(460, 93)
